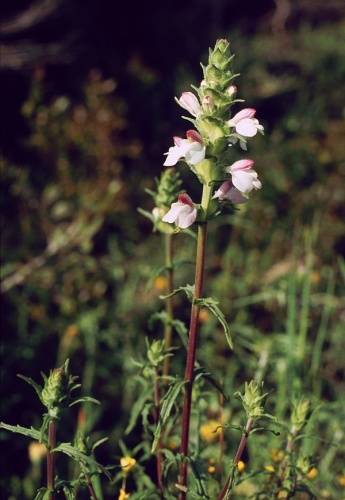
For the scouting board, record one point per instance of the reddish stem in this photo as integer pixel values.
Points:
(237, 458)
(191, 353)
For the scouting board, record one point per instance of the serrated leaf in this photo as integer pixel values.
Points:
(212, 305)
(188, 289)
(79, 456)
(167, 404)
(33, 433)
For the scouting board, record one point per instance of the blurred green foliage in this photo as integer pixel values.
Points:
(77, 256)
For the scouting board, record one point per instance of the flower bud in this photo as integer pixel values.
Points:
(300, 413)
(208, 104)
(56, 393)
(168, 188)
(253, 400)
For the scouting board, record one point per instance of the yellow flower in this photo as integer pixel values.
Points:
(160, 283)
(37, 451)
(211, 469)
(269, 468)
(341, 480)
(282, 494)
(210, 431)
(277, 455)
(312, 473)
(123, 495)
(241, 466)
(127, 463)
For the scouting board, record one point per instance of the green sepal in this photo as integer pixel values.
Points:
(167, 404)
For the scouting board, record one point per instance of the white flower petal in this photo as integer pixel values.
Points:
(246, 127)
(195, 153)
(245, 180)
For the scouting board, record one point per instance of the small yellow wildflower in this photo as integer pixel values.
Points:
(241, 466)
(204, 315)
(312, 473)
(210, 431)
(277, 455)
(37, 451)
(281, 495)
(341, 481)
(269, 468)
(211, 469)
(127, 463)
(123, 495)
(160, 283)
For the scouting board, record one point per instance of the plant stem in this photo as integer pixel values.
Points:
(191, 353)
(51, 458)
(168, 329)
(223, 494)
(159, 457)
(193, 335)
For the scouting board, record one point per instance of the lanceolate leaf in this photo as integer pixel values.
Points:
(137, 409)
(33, 433)
(77, 455)
(36, 386)
(212, 305)
(208, 302)
(168, 402)
(189, 289)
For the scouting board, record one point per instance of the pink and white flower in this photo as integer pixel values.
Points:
(192, 149)
(244, 178)
(183, 213)
(245, 125)
(227, 191)
(189, 102)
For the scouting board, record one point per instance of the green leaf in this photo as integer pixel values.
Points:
(79, 456)
(212, 305)
(189, 289)
(167, 404)
(201, 372)
(33, 433)
(137, 409)
(85, 399)
(36, 386)
(200, 478)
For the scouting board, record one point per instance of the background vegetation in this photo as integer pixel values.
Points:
(88, 112)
